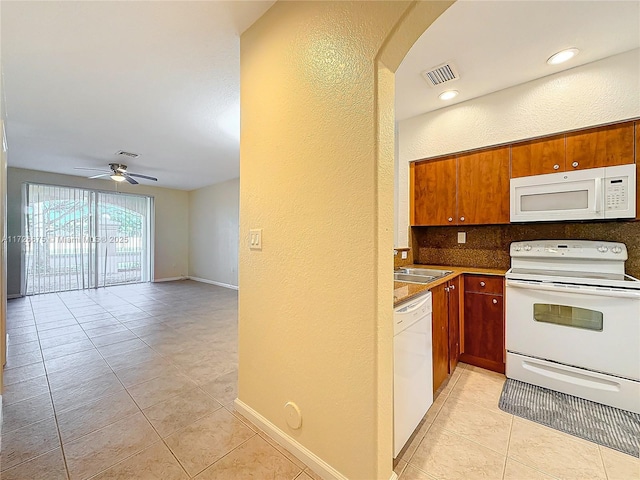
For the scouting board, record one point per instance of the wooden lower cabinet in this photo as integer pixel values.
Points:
(445, 330)
(454, 322)
(483, 324)
(440, 335)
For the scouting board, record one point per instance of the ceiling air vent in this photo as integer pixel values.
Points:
(127, 154)
(444, 73)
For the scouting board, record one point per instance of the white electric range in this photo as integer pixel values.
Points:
(573, 320)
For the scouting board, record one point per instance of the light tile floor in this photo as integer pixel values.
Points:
(130, 382)
(466, 436)
(138, 382)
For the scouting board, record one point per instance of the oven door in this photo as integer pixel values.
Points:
(583, 326)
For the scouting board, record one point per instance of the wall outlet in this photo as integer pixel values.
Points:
(404, 255)
(462, 237)
(255, 239)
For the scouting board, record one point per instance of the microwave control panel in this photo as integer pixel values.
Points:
(616, 193)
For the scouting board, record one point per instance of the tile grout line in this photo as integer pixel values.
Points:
(55, 415)
(604, 465)
(139, 408)
(170, 361)
(506, 456)
(101, 397)
(532, 467)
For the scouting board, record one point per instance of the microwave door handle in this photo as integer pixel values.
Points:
(597, 207)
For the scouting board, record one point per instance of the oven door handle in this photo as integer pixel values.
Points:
(578, 289)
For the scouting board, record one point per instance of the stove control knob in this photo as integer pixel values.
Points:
(616, 250)
(527, 248)
(517, 248)
(603, 249)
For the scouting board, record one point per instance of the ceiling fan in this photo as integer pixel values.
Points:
(118, 172)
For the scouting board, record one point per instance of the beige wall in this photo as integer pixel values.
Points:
(316, 170)
(599, 92)
(3, 248)
(213, 232)
(171, 248)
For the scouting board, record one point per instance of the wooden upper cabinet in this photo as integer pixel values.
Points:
(600, 147)
(434, 192)
(483, 187)
(537, 157)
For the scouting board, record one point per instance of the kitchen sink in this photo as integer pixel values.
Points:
(428, 272)
(404, 277)
(418, 275)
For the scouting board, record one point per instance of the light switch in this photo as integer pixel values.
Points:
(404, 255)
(462, 237)
(255, 239)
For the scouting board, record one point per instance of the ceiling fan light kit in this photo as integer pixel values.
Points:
(118, 173)
(117, 177)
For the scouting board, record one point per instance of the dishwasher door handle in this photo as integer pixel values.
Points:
(412, 307)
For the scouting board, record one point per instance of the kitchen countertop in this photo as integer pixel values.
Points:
(403, 291)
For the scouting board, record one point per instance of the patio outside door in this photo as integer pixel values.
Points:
(76, 239)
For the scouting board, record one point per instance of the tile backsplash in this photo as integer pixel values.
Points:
(488, 245)
(398, 261)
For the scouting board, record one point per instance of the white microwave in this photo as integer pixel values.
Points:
(595, 193)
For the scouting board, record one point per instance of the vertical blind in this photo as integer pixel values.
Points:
(77, 238)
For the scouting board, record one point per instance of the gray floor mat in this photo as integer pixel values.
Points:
(601, 424)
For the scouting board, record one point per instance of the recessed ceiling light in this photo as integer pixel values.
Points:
(448, 95)
(562, 56)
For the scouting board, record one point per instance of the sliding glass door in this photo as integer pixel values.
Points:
(77, 238)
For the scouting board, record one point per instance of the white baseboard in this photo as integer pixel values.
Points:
(306, 456)
(168, 279)
(212, 282)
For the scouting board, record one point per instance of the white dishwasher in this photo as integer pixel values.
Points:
(412, 370)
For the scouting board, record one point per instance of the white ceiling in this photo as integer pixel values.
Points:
(83, 80)
(499, 44)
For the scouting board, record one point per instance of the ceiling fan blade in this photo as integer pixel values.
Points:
(129, 179)
(101, 175)
(142, 176)
(94, 169)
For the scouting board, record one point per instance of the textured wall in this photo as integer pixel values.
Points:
(171, 248)
(316, 174)
(213, 232)
(596, 93)
(3, 248)
(488, 245)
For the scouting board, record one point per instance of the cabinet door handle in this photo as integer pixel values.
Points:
(452, 287)
(450, 219)
(494, 301)
(574, 164)
(462, 219)
(482, 284)
(446, 289)
(556, 166)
